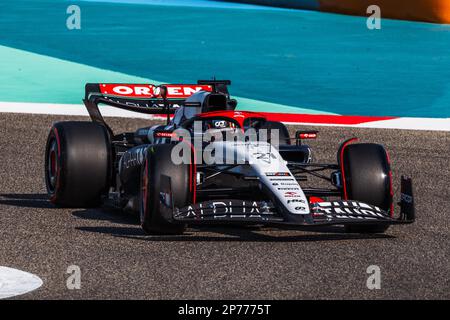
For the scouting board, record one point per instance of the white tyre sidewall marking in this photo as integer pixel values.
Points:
(15, 282)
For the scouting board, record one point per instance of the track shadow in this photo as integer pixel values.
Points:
(31, 200)
(227, 233)
(107, 214)
(26, 200)
(233, 234)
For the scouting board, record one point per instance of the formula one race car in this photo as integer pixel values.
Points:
(212, 164)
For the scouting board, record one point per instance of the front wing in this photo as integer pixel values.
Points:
(264, 212)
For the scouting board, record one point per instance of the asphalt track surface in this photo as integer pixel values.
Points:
(118, 261)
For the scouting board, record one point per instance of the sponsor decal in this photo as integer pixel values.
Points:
(132, 158)
(139, 103)
(278, 174)
(285, 184)
(307, 135)
(291, 194)
(283, 189)
(296, 201)
(148, 90)
(165, 134)
(282, 179)
(264, 156)
(220, 124)
(238, 114)
(347, 210)
(226, 209)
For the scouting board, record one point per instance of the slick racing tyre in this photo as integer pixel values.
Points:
(367, 178)
(156, 218)
(77, 161)
(282, 131)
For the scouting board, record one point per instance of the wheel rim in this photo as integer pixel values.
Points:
(144, 192)
(52, 167)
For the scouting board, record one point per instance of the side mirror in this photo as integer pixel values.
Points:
(232, 104)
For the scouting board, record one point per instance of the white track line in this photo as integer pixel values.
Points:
(434, 124)
(15, 282)
(442, 124)
(421, 124)
(65, 110)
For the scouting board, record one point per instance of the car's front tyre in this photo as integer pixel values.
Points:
(158, 163)
(367, 177)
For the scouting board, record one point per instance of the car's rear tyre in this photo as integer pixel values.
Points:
(159, 163)
(367, 178)
(282, 131)
(77, 161)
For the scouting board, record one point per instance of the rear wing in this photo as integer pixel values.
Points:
(144, 98)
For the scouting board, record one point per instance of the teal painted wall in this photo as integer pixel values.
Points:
(304, 59)
(298, 4)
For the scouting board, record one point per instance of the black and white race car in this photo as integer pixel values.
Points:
(212, 164)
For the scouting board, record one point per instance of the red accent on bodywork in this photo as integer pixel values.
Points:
(308, 118)
(57, 141)
(192, 173)
(341, 156)
(238, 116)
(144, 188)
(194, 179)
(58, 166)
(308, 136)
(315, 200)
(391, 189)
(296, 118)
(53, 166)
(165, 135)
(321, 118)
